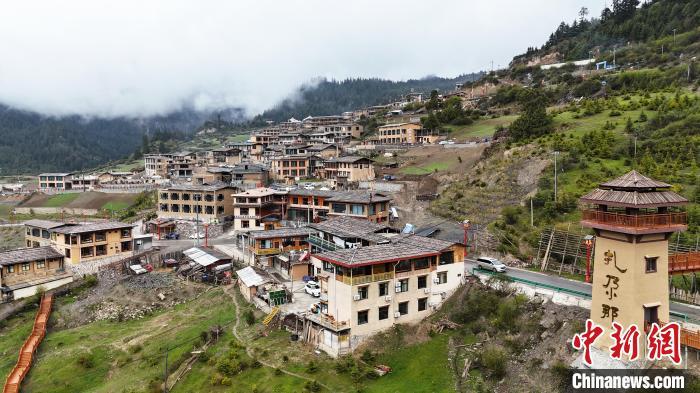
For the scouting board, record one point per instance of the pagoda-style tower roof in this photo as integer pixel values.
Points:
(634, 190)
(634, 204)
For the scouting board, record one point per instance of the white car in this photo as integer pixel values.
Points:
(492, 264)
(313, 289)
(309, 187)
(199, 235)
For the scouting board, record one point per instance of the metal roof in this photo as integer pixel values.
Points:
(250, 277)
(28, 255)
(205, 257)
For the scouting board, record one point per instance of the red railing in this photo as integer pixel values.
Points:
(638, 221)
(684, 263)
(26, 353)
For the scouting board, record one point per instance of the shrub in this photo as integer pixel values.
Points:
(86, 360)
(311, 367)
(249, 317)
(494, 360)
(135, 348)
(90, 280)
(367, 356)
(312, 386)
(285, 358)
(344, 364)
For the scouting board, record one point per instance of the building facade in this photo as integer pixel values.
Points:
(209, 203)
(24, 271)
(404, 133)
(88, 242)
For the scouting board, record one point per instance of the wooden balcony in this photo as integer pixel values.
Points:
(635, 223)
(366, 279)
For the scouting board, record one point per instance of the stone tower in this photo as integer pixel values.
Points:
(633, 216)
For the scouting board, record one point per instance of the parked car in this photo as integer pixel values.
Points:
(172, 236)
(199, 235)
(313, 289)
(389, 177)
(138, 269)
(492, 264)
(309, 187)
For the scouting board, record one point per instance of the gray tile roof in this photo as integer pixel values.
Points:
(198, 187)
(280, 232)
(634, 180)
(45, 224)
(28, 255)
(349, 159)
(350, 227)
(99, 226)
(380, 253)
(634, 198)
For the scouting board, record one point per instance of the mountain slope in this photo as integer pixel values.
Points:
(329, 97)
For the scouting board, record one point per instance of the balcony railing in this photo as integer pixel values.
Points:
(684, 263)
(366, 279)
(322, 243)
(636, 221)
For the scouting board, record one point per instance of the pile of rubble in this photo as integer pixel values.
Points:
(188, 228)
(153, 280)
(119, 312)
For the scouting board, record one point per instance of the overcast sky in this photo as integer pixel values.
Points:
(151, 57)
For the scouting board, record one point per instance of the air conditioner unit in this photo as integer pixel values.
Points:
(426, 290)
(436, 280)
(397, 314)
(356, 297)
(398, 289)
(387, 298)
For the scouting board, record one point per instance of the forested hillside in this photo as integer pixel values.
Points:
(624, 23)
(330, 97)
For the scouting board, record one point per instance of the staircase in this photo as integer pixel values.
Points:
(273, 313)
(26, 353)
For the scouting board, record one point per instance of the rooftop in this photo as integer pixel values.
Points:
(371, 255)
(198, 187)
(634, 180)
(258, 192)
(347, 227)
(280, 232)
(348, 159)
(398, 125)
(205, 256)
(56, 174)
(45, 224)
(28, 255)
(634, 190)
(99, 226)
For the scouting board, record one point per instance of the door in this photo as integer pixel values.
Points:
(651, 315)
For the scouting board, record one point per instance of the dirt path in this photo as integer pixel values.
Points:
(229, 291)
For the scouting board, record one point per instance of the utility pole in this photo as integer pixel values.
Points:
(197, 197)
(556, 153)
(532, 214)
(674, 37)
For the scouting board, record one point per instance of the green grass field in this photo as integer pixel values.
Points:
(480, 128)
(115, 206)
(107, 356)
(425, 170)
(60, 200)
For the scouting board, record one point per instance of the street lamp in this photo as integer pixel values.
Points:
(588, 241)
(556, 154)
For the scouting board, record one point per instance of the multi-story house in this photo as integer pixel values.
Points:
(348, 232)
(55, 182)
(348, 169)
(224, 155)
(257, 209)
(182, 165)
(88, 242)
(325, 150)
(246, 176)
(369, 289)
(208, 202)
(24, 271)
(372, 206)
(156, 165)
(404, 133)
(263, 246)
(38, 232)
(345, 131)
(288, 168)
(317, 121)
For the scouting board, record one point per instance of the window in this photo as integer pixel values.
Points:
(422, 282)
(403, 308)
(67, 252)
(10, 268)
(362, 317)
(383, 288)
(338, 208)
(126, 232)
(403, 266)
(40, 264)
(383, 313)
(421, 263)
(422, 304)
(185, 197)
(650, 264)
(447, 258)
(245, 224)
(25, 267)
(357, 209)
(363, 291)
(402, 285)
(442, 277)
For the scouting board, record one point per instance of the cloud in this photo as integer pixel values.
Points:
(139, 58)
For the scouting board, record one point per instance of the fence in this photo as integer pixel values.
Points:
(26, 353)
(534, 283)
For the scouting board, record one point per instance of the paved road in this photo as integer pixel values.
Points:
(693, 312)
